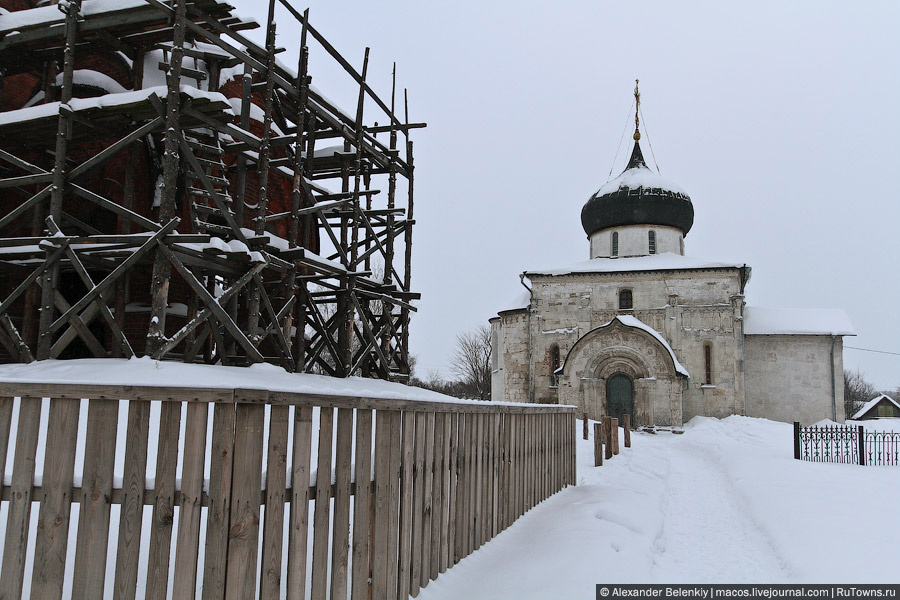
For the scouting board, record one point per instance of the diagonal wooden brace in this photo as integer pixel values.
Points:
(115, 273)
(204, 314)
(89, 284)
(212, 304)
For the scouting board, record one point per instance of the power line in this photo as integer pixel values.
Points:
(870, 350)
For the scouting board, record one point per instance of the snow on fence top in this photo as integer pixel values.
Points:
(146, 372)
(796, 321)
(667, 261)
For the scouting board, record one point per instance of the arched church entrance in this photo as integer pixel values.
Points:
(620, 397)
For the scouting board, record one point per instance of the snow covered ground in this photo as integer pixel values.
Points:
(725, 502)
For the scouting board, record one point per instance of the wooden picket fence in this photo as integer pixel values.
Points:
(441, 480)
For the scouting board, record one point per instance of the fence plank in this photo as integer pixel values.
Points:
(299, 518)
(428, 495)
(394, 505)
(219, 511)
(503, 476)
(495, 475)
(93, 517)
(453, 449)
(418, 506)
(246, 481)
(341, 537)
(459, 524)
(187, 539)
(407, 486)
(472, 483)
(441, 565)
(437, 488)
(382, 493)
(362, 541)
(164, 501)
(322, 510)
(276, 488)
(131, 515)
(18, 518)
(56, 499)
(478, 469)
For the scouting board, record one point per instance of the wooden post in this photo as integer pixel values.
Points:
(627, 427)
(614, 430)
(585, 426)
(796, 440)
(861, 440)
(598, 444)
(607, 433)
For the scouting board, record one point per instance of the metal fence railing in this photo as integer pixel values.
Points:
(847, 444)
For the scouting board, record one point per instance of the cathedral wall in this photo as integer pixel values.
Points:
(513, 358)
(634, 240)
(689, 308)
(497, 362)
(789, 378)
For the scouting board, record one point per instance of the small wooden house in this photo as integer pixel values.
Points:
(879, 407)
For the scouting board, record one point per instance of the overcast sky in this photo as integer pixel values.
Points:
(780, 119)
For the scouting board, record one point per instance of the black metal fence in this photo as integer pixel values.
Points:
(847, 444)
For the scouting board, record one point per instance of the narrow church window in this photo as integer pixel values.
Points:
(625, 302)
(615, 243)
(554, 365)
(652, 236)
(707, 359)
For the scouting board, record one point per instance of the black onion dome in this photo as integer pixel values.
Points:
(638, 197)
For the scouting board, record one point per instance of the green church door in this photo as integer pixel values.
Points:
(620, 397)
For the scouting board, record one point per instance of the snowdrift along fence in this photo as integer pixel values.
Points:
(227, 520)
(847, 444)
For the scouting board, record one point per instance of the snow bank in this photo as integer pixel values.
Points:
(723, 503)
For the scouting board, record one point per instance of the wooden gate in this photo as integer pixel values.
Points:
(217, 493)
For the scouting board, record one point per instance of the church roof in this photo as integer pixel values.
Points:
(520, 302)
(638, 196)
(796, 321)
(667, 261)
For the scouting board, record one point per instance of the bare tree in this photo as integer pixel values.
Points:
(471, 361)
(857, 391)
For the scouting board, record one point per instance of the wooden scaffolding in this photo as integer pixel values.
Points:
(169, 189)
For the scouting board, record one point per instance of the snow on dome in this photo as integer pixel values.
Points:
(796, 321)
(639, 177)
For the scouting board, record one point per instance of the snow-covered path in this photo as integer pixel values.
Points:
(703, 515)
(724, 502)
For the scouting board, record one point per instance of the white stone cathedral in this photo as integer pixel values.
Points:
(642, 329)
